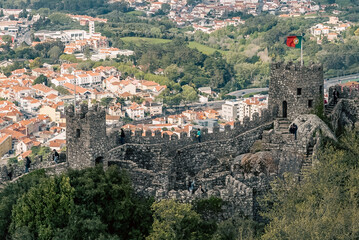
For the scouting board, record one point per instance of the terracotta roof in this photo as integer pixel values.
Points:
(43, 88)
(57, 143)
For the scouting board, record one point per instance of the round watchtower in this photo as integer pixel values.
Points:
(85, 136)
(295, 89)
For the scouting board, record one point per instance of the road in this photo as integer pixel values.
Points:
(242, 92)
(327, 84)
(333, 81)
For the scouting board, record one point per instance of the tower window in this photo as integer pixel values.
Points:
(299, 91)
(320, 89)
(78, 133)
(310, 103)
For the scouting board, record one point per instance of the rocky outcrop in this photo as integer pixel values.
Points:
(309, 126)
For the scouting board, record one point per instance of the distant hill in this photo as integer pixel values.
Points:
(342, 3)
(58, 5)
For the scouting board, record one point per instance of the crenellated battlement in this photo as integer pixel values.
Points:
(291, 66)
(156, 137)
(84, 113)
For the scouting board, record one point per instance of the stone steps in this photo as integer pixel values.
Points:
(307, 163)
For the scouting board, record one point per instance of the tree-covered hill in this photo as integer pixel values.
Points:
(92, 7)
(342, 3)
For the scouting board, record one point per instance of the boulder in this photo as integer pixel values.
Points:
(256, 163)
(309, 125)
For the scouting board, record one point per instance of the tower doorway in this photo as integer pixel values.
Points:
(99, 160)
(285, 110)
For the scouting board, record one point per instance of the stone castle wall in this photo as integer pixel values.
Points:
(346, 110)
(295, 89)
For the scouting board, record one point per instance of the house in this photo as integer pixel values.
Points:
(332, 36)
(53, 112)
(110, 120)
(24, 145)
(135, 111)
(43, 90)
(190, 115)
(79, 90)
(147, 85)
(18, 92)
(211, 114)
(59, 81)
(57, 144)
(153, 108)
(206, 90)
(68, 68)
(116, 110)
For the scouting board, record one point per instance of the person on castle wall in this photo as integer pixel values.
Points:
(55, 156)
(27, 164)
(122, 136)
(293, 129)
(189, 186)
(10, 171)
(201, 189)
(198, 136)
(192, 187)
(335, 96)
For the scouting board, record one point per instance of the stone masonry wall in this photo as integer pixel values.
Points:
(298, 87)
(85, 137)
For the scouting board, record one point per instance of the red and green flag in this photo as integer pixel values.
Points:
(294, 41)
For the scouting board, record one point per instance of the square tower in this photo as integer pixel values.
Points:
(86, 137)
(295, 89)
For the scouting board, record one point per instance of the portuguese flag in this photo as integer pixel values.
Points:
(294, 41)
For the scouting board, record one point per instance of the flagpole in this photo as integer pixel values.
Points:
(301, 51)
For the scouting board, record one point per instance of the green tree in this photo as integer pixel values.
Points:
(69, 58)
(36, 63)
(87, 52)
(189, 94)
(54, 53)
(174, 221)
(11, 194)
(106, 101)
(45, 209)
(41, 80)
(173, 72)
(166, 8)
(60, 19)
(23, 13)
(7, 39)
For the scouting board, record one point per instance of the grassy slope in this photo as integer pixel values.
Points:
(200, 47)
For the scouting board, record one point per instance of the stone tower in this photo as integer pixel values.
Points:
(86, 138)
(295, 89)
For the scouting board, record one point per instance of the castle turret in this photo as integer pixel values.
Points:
(85, 136)
(295, 89)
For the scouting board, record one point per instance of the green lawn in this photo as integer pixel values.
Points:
(136, 13)
(200, 47)
(137, 40)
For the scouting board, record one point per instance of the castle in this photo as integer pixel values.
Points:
(236, 164)
(293, 90)
(162, 166)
